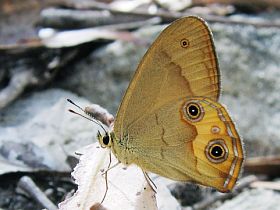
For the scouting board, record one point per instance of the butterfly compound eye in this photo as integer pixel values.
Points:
(216, 151)
(106, 139)
(193, 111)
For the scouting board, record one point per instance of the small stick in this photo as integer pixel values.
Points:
(258, 3)
(27, 184)
(171, 16)
(268, 165)
(72, 19)
(16, 87)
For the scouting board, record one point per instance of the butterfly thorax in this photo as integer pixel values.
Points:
(119, 147)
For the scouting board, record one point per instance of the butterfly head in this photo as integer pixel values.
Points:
(104, 140)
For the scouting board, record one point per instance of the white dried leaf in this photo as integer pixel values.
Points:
(55, 39)
(127, 188)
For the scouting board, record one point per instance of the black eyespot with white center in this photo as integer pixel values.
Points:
(216, 151)
(193, 111)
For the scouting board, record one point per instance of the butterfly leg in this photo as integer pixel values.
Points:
(106, 178)
(105, 173)
(109, 168)
(106, 187)
(150, 181)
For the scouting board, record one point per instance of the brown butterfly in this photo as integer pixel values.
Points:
(170, 121)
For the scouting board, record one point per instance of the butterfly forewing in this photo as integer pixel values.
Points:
(169, 70)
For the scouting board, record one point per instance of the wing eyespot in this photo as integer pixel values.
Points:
(193, 111)
(215, 129)
(184, 43)
(216, 151)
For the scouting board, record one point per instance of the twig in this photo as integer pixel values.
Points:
(260, 3)
(133, 25)
(243, 21)
(168, 16)
(17, 85)
(8, 7)
(243, 183)
(29, 67)
(263, 165)
(73, 18)
(21, 47)
(31, 188)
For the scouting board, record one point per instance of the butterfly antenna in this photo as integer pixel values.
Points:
(90, 119)
(70, 101)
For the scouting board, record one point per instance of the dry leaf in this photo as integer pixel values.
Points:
(127, 188)
(54, 39)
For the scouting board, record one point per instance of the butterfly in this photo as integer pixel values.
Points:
(170, 121)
